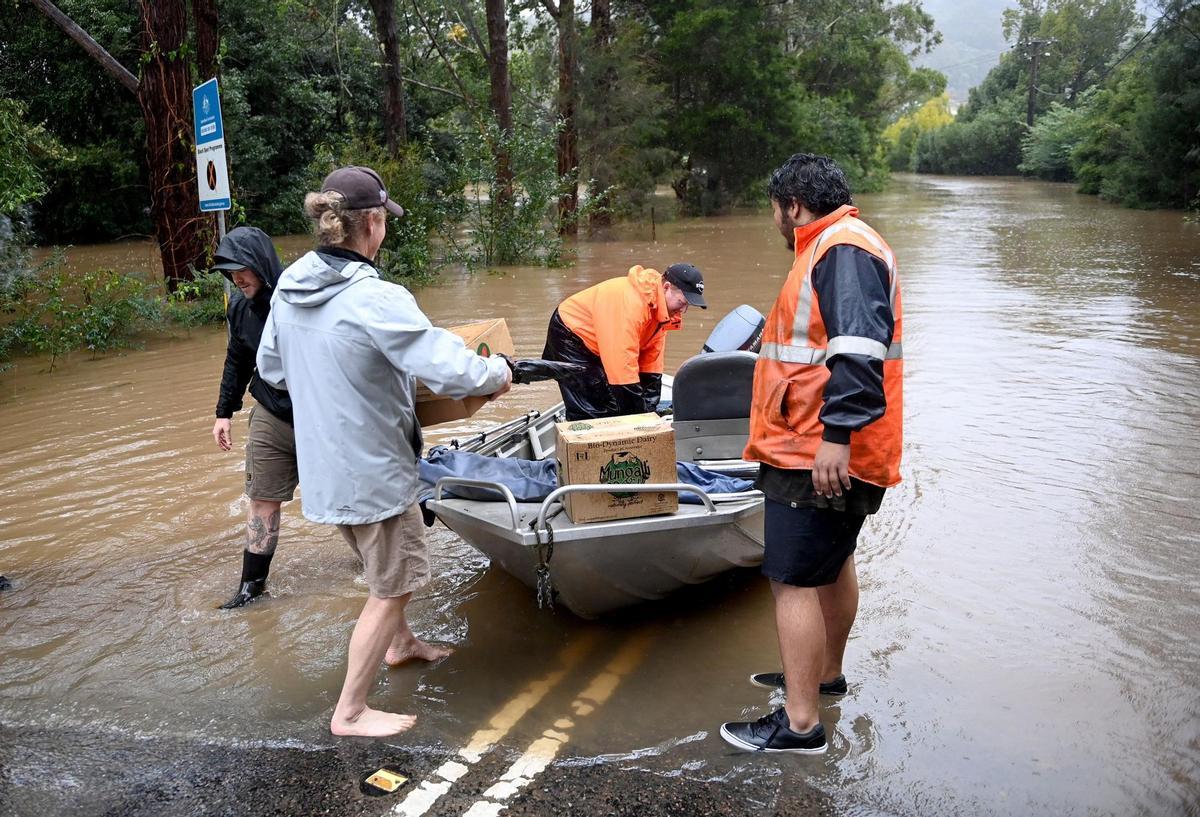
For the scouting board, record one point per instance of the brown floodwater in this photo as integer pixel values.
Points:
(1028, 635)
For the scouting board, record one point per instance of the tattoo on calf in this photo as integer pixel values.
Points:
(262, 534)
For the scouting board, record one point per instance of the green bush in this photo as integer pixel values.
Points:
(988, 144)
(901, 137)
(198, 302)
(431, 199)
(497, 232)
(1046, 149)
(60, 312)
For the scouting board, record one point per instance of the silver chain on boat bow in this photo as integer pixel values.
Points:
(545, 551)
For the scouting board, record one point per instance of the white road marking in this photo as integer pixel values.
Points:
(421, 799)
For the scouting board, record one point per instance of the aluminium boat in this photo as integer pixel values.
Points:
(596, 568)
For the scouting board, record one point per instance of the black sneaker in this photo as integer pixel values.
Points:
(774, 680)
(771, 733)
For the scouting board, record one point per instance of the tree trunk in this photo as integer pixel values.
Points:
(165, 94)
(207, 22)
(497, 24)
(602, 22)
(568, 136)
(204, 12)
(393, 117)
(602, 35)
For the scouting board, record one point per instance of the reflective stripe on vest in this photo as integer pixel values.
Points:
(844, 345)
(804, 301)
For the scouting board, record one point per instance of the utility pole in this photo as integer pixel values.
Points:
(1034, 49)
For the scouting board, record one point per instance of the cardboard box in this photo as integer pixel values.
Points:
(485, 338)
(638, 448)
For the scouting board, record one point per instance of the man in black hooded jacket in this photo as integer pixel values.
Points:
(247, 258)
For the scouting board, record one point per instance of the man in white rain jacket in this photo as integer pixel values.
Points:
(349, 347)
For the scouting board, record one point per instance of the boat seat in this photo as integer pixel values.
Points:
(711, 400)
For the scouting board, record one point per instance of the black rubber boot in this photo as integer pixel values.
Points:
(255, 567)
(247, 593)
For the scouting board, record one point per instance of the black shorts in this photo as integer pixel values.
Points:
(806, 547)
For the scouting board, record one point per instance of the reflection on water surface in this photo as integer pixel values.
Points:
(1026, 642)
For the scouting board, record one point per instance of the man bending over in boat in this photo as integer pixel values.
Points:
(617, 331)
(349, 347)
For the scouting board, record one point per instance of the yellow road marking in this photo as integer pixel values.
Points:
(420, 799)
(543, 750)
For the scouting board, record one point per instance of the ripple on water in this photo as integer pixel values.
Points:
(1026, 635)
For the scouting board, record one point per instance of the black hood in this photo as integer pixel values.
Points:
(251, 248)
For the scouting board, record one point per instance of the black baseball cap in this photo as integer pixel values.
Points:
(361, 187)
(689, 281)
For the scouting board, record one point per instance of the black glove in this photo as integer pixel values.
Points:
(651, 389)
(532, 371)
(630, 399)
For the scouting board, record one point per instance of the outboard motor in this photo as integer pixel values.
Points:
(711, 397)
(740, 330)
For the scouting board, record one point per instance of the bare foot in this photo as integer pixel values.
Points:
(371, 723)
(415, 650)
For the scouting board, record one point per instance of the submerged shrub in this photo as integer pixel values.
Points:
(59, 313)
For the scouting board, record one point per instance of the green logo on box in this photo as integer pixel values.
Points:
(484, 350)
(624, 469)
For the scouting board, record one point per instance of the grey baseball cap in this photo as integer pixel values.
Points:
(361, 187)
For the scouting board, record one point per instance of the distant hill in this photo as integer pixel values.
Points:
(972, 41)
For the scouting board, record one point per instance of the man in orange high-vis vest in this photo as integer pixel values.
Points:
(616, 330)
(825, 428)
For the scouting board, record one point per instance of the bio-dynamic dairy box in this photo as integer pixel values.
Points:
(632, 450)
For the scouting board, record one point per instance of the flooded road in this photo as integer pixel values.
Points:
(1027, 637)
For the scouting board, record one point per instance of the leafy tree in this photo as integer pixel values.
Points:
(293, 78)
(1142, 138)
(730, 102)
(1060, 47)
(902, 135)
(622, 121)
(24, 149)
(96, 187)
(1047, 147)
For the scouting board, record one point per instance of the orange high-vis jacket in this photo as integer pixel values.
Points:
(791, 373)
(624, 321)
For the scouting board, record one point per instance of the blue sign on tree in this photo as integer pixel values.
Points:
(212, 174)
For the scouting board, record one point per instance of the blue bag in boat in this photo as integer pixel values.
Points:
(533, 480)
(710, 481)
(529, 480)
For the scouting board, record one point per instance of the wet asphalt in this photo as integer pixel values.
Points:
(57, 772)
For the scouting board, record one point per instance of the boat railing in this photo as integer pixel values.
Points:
(482, 438)
(555, 497)
(446, 482)
(663, 487)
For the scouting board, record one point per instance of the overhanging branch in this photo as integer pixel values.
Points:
(89, 45)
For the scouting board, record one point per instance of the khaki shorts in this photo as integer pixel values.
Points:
(271, 472)
(394, 554)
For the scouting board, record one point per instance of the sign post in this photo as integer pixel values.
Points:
(212, 173)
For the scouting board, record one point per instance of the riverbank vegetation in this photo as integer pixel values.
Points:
(501, 125)
(1088, 94)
